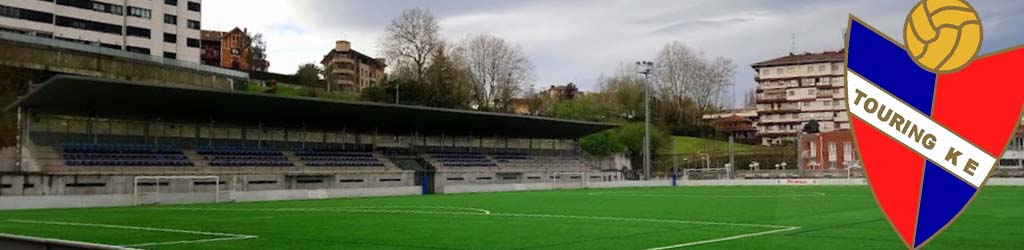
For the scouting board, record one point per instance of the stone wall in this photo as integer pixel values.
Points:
(19, 51)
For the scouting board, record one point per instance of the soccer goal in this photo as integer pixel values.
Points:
(569, 180)
(175, 189)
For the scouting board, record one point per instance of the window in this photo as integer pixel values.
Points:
(93, 5)
(810, 68)
(765, 72)
(791, 93)
(848, 152)
(778, 71)
(192, 42)
(170, 19)
(112, 46)
(139, 50)
(821, 68)
(171, 2)
(139, 12)
(828, 103)
(193, 24)
(170, 38)
(136, 31)
(24, 14)
(193, 6)
(791, 70)
(170, 55)
(814, 149)
(832, 155)
(76, 23)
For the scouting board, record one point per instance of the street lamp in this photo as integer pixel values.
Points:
(646, 68)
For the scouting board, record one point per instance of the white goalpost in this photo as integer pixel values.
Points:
(569, 180)
(146, 190)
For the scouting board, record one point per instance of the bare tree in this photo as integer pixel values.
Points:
(685, 75)
(412, 38)
(625, 90)
(499, 71)
(750, 98)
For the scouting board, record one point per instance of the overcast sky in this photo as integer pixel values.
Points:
(580, 40)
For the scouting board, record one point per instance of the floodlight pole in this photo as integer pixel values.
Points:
(646, 68)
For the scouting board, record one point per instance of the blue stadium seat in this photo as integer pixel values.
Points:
(122, 154)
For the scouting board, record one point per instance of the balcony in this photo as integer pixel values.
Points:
(771, 98)
(344, 71)
(779, 110)
(344, 60)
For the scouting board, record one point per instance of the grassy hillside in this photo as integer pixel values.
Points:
(692, 145)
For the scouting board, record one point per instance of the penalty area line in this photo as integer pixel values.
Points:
(771, 229)
(734, 237)
(220, 236)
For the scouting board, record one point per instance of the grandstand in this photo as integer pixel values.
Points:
(97, 143)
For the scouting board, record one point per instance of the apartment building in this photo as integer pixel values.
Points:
(231, 49)
(345, 69)
(167, 28)
(798, 88)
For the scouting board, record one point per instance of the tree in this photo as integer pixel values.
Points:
(625, 91)
(750, 99)
(584, 109)
(411, 39)
(683, 75)
(446, 83)
(632, 136)
(257, 52)
(499, 71)
(570, 92)
(811, 127)
(308, 74)
(602, 144)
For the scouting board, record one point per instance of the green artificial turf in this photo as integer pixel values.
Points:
(828, 217)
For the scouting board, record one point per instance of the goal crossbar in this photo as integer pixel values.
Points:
(556, 178)
(157, 178)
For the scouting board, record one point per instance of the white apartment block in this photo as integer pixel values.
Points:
(798, 88)
(166, 28)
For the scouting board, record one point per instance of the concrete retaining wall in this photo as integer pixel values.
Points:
(116, 200)
(74, 201)
(454, 189)
(777, 182)
(1005, 182)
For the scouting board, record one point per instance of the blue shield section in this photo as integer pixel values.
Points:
(942, 198)
(886, 64)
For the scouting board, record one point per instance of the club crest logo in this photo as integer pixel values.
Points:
(930, 116)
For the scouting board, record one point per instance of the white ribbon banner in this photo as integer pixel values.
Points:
(917, 131)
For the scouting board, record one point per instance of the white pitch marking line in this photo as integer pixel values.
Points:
(775, 228)
(631, 194)
(222, 236)
(735, 237)
(484, 211)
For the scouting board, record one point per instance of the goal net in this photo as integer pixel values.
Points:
(569, 180)
(148, 190)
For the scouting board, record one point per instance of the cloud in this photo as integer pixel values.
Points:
(580, 40)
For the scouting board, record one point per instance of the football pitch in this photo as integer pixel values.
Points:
(804, 217)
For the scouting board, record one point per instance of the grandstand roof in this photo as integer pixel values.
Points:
(79, 95)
